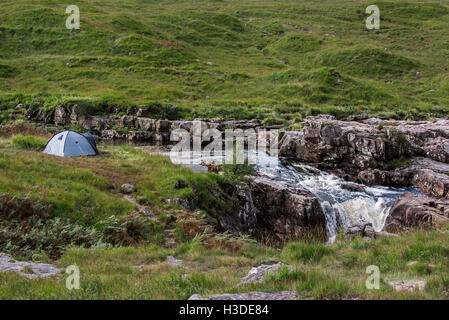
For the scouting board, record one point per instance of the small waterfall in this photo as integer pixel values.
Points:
(343, 203)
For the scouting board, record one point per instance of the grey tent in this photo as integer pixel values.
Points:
(71, 144)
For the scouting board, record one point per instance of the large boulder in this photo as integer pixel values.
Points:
(283, 214)
(412, 210)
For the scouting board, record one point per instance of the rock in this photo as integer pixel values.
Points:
(173, 261)
(95, 123)
(126, 122)
(146, 124)
(358, 117)
(431, 182)
(283, 214)
(344, 144)
(111, 135)
(417, 211)
(140, 136)
(272, 211)
(283, 295)
(185, 125)
(29, 270)
(244, 221)
(394, 178)
(437, 149)
(127, 188)
(180, 201)
(61, 116)
(257, 273)
(162, 126)
(147, 212)
(354, 187)
(445, 232)
(407, 285)
(362, 229)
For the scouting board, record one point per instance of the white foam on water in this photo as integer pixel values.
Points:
(343, 203)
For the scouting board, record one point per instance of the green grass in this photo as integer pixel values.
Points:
(80, 201)
(275, 60)
(29, 142)
(70, 211)
(142, 273)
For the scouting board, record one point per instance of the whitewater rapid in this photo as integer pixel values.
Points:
(343, 203)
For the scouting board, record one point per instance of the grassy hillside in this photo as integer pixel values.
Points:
(277, 60)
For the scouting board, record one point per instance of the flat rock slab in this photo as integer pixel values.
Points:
(407, 285)
(282, 295)
(30, 270)
(257, 273)
(173, 261)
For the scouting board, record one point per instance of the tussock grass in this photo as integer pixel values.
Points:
(28, 143)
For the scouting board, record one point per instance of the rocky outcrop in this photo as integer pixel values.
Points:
(347, 145)
(275, 213)
(135, 126)
(417, 211)
(284, 214)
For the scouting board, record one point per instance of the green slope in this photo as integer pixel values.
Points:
(277, 60)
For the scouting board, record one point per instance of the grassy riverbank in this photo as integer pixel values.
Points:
(76, 203)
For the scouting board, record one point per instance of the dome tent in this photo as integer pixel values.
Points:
(72, 144)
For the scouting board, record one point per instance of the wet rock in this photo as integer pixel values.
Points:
(394, 178)
(284, 214)
(282, 295)
(127, 188)
(417, 211)
(353, 187)
(407, 285)
(257, 273)
(29, 270)
(173, 261)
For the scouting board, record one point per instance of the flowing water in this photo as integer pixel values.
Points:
(343, 203)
